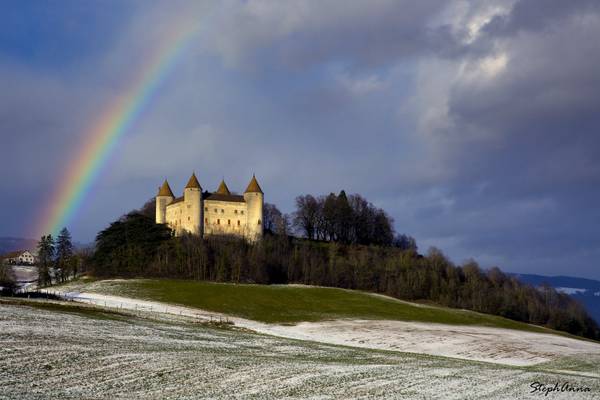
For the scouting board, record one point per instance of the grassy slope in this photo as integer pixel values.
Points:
(288, 304)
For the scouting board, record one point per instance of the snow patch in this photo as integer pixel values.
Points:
(570, 291)
(497, 345)
(53, 354)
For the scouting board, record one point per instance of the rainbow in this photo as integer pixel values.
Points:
(102, 137)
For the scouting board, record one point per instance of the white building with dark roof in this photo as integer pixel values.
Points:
(22, 257)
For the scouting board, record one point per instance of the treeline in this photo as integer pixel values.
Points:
(135, 246)
(345, 219)
(57, 260)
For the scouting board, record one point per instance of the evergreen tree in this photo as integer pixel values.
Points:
(405, 242)
(46, 260)
(7, 279)
(128, 245)
(343, 218)
(64, 254)
(329, 214)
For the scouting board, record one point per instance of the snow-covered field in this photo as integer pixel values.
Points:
(25, 275)
(71, 354)
(476, 343)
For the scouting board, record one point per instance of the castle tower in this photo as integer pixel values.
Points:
(223, 189)
(254, 198)
(192, 197)
(163, 199)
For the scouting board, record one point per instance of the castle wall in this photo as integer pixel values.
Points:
(218, 213)
(224, 217)
(175, 218)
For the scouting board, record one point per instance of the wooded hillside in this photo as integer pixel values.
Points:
(135, 246)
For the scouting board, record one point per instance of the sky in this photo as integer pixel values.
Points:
(474, 124)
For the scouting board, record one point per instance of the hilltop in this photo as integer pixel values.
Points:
(289, 303)
(135, 246)
(339, 316)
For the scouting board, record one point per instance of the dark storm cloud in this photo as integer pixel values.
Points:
(536, 15)
(473, 123)
(304, 33)
(529, 133)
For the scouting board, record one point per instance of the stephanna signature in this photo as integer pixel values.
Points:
(565, 387)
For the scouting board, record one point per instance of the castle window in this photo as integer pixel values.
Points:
(216, 210)
(242, 212)
(218, 222)
(222, 211)
(206, 209)
(188, 218)
(235, 211)
(206, 220)
(259, 222)
(228, 222)
(238, 222)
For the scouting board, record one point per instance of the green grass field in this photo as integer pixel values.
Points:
(291, 303)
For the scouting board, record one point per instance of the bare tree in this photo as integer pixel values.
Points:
(305, 217)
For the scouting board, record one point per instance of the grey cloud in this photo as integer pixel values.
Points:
(525, 132)
(537, 15)
(389, 99)
(304, 33)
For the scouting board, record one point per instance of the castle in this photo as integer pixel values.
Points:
(206, 213)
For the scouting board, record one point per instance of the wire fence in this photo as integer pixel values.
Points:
(136, 308)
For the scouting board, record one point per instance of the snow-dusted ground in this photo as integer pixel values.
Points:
(488, 344)
(26, 276)
(504, 346)
(69, 354)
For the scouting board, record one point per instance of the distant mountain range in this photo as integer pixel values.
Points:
(8, 244)
(587, 291)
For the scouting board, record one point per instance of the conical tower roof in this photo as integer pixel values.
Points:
(253, 186)
(223, 189)
(193, 182)
(165, 190)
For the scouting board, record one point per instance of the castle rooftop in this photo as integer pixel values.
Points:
(223, 189)
(165, 190)
(193, 182)
(253, 186)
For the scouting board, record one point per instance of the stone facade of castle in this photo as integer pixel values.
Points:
(204, 213)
